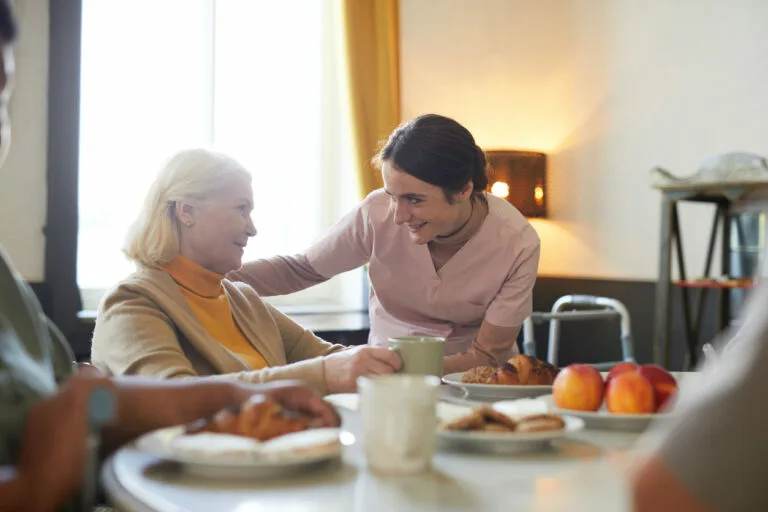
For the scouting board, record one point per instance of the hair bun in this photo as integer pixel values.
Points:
(437, 150)
(480, 172)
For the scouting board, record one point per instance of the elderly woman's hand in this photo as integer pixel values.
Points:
(343, 368)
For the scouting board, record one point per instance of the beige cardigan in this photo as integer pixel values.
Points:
(145, 327)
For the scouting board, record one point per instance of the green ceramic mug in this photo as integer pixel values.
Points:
(421, 355)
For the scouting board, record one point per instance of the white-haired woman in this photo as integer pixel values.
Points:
(177, 316)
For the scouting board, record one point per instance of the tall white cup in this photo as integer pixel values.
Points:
(399, 415)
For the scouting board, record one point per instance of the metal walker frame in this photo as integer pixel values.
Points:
(601, 308)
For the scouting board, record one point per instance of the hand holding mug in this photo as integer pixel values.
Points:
(421, 355)
(343, 368)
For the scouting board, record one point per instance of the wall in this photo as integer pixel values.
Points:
(22, 178)
(609, 89)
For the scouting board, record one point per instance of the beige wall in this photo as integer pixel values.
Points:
(22, 178)
(609, 89)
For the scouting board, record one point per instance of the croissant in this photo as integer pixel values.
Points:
(542, 376)
(551, 370)
(519, 370)
(507, 375)
(533, 371)
(524, 365)
(258, 418)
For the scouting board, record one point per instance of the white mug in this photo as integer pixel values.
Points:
(399, 414)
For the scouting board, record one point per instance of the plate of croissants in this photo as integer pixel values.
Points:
(520, 377)
(257, 439)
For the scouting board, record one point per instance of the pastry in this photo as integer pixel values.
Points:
(491, 415)
(478, 375)
(553, 371)
(258, 418)
(223, 422)
(519, 370)
(540, 376)
(471, 421)
(540, 423)
(487, 419)
(524, 365)
(496, 427)
(506, 375)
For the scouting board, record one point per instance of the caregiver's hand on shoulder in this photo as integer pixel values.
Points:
(343, 368)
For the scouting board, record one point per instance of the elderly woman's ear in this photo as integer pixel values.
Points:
(185, 213)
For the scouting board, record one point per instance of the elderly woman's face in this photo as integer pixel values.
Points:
(215, 234)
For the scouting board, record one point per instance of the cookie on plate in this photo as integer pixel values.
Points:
(493, 416)
(497, 427)
(540, 423)
(471, 421)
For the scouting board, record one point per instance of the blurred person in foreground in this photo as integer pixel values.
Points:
(713, 455)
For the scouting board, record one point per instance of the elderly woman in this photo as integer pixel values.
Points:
(177, 315)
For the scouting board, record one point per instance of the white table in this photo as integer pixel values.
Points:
(579, 473)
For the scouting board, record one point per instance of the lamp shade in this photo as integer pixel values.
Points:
(520, 178)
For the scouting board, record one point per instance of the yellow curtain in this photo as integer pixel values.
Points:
(372, 39)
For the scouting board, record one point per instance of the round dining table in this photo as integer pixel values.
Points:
(583, 471)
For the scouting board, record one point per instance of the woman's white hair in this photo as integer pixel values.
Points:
(190, 177)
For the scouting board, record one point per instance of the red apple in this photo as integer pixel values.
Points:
(619, 369)
(663, 383)
(578, 387)
(630, 393)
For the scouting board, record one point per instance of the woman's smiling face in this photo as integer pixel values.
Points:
(423, 207)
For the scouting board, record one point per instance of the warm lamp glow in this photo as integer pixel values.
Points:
(500, 189)
(519, 177)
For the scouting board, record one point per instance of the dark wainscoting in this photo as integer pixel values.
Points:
(591, 341)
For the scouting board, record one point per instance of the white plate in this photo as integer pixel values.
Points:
(224, 456)
(445, 411)
(493, 442)
(512, 442)
(495, 391)
(604, 420)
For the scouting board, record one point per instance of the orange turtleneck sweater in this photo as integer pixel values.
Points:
(206, 298)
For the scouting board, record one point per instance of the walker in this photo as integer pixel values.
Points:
(599, 308)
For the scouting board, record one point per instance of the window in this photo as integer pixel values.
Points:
(260, 80)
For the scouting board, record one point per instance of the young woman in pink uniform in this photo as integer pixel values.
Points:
(444, 257)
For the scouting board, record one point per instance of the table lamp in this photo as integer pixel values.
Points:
(520, 178)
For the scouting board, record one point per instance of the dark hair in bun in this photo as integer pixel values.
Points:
(437, 150)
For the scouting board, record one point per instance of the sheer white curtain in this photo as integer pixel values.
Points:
(260, 80)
